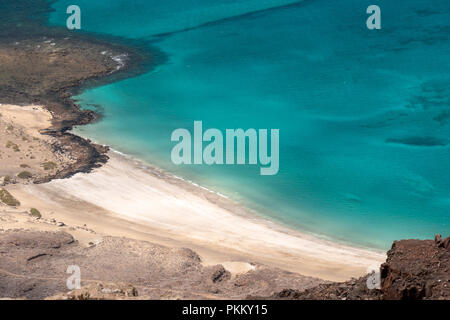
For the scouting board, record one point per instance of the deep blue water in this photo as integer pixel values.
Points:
(364, 115)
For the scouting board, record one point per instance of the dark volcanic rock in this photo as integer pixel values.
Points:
(414, 269)
(35, 240)
(442, 243)
(355, 289)
(220, 274)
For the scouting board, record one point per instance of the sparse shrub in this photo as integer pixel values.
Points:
(11, 144)
(35, 213)
(9, 127)
(25, 175)
(49, 165)
(8, 199)
(23, 165)
(7, 179)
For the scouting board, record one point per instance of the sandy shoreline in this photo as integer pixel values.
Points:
(128, 199)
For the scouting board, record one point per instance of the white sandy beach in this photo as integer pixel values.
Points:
(126, 198)
(174, 209)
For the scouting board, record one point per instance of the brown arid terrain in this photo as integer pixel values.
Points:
(25, 154)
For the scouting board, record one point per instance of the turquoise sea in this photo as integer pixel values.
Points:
(364, 115)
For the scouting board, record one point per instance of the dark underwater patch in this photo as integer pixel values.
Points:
(420, 141)
(433, 94)
(443, 117)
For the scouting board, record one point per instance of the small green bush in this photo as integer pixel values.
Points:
(7, 179)
(35, 213)
(25, 175)
(49, 165)
(8, 199)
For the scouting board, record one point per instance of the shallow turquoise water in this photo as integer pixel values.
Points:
(364, 116)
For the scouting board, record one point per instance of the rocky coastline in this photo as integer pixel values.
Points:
(46, 66)
(127, 269)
